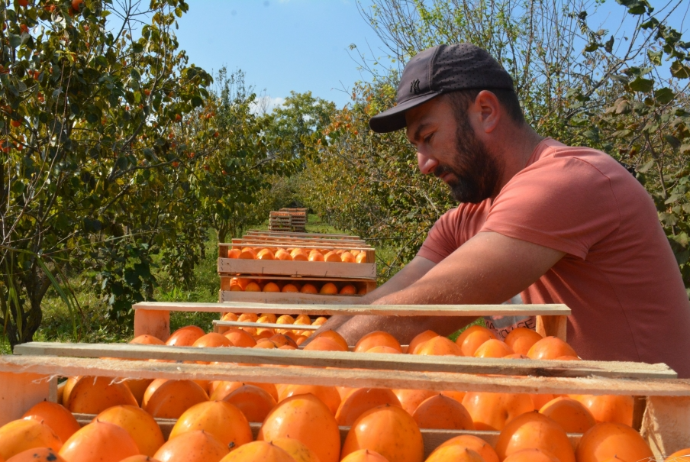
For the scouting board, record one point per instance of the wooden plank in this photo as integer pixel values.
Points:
(237, 243)
(297, 268)
(284, 297)
(19, 392)
(264, 325)
(436, 381)
(309, 235)
(354, 309)
(341, 359)
(150, 322)
(552, 326)
(666, 424)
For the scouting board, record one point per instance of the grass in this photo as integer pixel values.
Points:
(96, 327)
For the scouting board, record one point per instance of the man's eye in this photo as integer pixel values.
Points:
(428, 138)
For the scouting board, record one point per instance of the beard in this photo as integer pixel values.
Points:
(476, 172)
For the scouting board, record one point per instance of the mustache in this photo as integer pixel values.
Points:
(442, 169)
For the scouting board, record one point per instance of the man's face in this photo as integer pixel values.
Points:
(448, 147)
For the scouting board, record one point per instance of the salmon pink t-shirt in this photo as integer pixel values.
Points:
(619, 276)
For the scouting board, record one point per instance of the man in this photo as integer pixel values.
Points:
(553, 223)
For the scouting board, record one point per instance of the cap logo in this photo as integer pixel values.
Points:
(414, 86)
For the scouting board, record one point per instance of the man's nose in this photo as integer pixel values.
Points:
(426, 164)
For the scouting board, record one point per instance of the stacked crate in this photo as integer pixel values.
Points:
(298, 219)
(662, 412)
(280, 221)
(361, 275)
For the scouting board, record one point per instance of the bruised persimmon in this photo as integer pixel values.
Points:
(474, 443)
(307, 419)
(280, 340)
(361, 400)
(143, 428)
(388, 430)
(492, 411)
(608, 439)
(328, 395)
(550, 348)
(19, 435)
(56, 416)
(472, 338)
(535, 431)
(377, 338)
(253, 401)
(192, 446)
(569, 414)
(442, 412)
(185, 336)
(419, 339)
(37, 455)
(100, 441)
(521, 339)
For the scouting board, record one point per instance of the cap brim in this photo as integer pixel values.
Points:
(394, 118)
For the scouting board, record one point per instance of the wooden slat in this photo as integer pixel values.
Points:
(353, 361)
(237, 243)
(297, 268)
(264, 325)
(310, 235)
(436, 381)
(382, 310)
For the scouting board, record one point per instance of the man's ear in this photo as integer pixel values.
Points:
(488, 108)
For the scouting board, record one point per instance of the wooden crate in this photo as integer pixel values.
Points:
(261, 232)
(663, 404)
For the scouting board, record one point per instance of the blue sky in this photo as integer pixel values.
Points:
(283, 46)
(302, 45)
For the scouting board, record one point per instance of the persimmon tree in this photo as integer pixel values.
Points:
(92, 94)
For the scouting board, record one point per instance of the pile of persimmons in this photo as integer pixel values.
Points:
(313, 287)
(300, 423)
(299, 254)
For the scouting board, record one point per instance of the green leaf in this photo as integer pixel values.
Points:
(664, 95)
(655, 57)
(672, 140)
(15, 40)
(680, 70)
(641, 85)
(592, 47)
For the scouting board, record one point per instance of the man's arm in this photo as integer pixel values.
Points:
(407, 276)
(490, 268)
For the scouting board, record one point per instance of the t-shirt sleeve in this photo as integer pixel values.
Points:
(441, 240)
(567, 205)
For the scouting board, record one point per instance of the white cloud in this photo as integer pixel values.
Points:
(266, 104)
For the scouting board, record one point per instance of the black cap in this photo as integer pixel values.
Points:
(439, 70)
